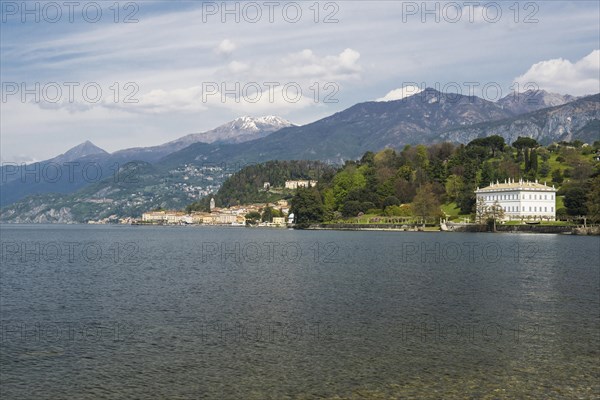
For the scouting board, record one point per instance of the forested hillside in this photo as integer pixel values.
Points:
(425, 181)
(248, 185)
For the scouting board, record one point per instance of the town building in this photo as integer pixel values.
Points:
(279, 221)
(154, 216)
(300, 183)
(176, 217)
(167, 217)
(520, 200)
(226, 218)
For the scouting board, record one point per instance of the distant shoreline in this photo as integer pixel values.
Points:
(538, 229)
(472, 228)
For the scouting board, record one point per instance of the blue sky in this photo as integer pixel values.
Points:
(170, 60)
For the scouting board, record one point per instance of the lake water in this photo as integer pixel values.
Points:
(234, 313)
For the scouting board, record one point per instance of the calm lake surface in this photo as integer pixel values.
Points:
(234, 313)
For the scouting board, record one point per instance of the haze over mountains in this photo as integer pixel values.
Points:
(87, 163)
(239, 130)
(533, 100)
(427, 117)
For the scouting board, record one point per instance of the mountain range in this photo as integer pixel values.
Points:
(239, 130)
(87, 159)
(427, 117)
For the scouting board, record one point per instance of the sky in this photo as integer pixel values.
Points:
(141, 73)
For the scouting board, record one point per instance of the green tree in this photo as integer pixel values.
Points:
(391, 201)
(582, 171)
(386, 158)
(422, 157)
(351, 208)
(593, 200)
(454, 185)
(544, 169)
(493, 143)
(405, 172)
(544, 154)
(527, 159)
(575, 200)
(487, 174)
(252, 218)
(437, 171)
(426, 204)
(494, 213)
(346, 180)
(398, 211)
(533, 161)
(525, 142)
(466, 200)
(557, 176)
(404, 190)
(267, 215)
(307, 206)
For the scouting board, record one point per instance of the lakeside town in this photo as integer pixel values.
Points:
(232, 216)
(278, 214)
(486, 185)
(511, 201)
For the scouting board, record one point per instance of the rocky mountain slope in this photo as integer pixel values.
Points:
(427, 117)
(239, 130)
(575, 120)
(91, 164)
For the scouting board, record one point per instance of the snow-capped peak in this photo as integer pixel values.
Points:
(239, 130)
(255, 124)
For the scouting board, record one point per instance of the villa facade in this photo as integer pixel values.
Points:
(300, 183)
(520, 200)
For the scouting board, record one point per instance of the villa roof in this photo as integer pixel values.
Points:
(518, 185)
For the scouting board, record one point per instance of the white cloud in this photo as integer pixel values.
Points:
(399, 94)
(248, 99)
(565, 77)
(226, 47)
(382, 49)
(236, 67)
(307, 65)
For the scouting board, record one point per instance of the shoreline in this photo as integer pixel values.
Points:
(575, 230)
(537, 229)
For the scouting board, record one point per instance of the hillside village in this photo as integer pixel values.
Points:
(276, 214)
(232, 216)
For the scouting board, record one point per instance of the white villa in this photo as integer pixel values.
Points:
(300, 183)
(521, 200)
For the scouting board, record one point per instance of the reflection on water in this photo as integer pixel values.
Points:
(158, 312)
